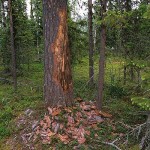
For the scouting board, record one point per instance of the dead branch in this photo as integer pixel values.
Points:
(6, 80)
(112, 144)
(125, 125)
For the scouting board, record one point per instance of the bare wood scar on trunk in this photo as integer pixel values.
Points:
(60, 50)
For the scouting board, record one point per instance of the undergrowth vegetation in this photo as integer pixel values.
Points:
(117, 98)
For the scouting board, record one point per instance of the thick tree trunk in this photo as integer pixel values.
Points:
(58, 88)
(14, 72)
(91, 43)
(102, 57)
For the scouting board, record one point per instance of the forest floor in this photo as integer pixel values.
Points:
(24, 110)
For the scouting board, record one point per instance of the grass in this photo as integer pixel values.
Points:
(30, 95)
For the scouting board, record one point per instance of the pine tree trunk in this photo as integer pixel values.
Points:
(128, 5)
(31, 11)
(58, 87)
(3, 14)
(132, 73)
(102, 57)
(13, 51)
(139, 76)
(91, 43)
(126, 37)
(125, 74)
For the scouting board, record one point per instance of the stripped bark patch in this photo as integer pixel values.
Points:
(60, 50)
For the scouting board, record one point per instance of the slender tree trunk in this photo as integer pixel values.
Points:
(132, 73)
(3, 14)
(127, 6)
(139, 76)
(37, 44)
(110, 5)
(14, 72)
(31, 11)
(58, 87)
(125, 74)
(102, 56)
(3, 25)
(91, 43)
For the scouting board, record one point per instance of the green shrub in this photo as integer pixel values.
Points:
(142, 102)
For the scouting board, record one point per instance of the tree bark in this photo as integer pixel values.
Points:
(3, 14)
(31, 11)
(102, 56)
(132, 73)
(128, 6)
(58, 87)
(13, 51)
(139, 76)
(91, 43)
(125, 74)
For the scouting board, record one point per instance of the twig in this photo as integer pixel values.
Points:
(6, 80)
(139, 127)
(83, 87)
(133, 130)
(117, 139)
(125, 125)
(144, 112)
(146, 91)
(112, 144)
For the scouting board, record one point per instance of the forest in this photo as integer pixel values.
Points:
(74, 75)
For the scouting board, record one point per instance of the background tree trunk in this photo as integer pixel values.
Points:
(102, 57)
(58, 88)
(31, 11)
(3, 14)
(125, 74)
(91, 43)
(127, 7)
(14, 72)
